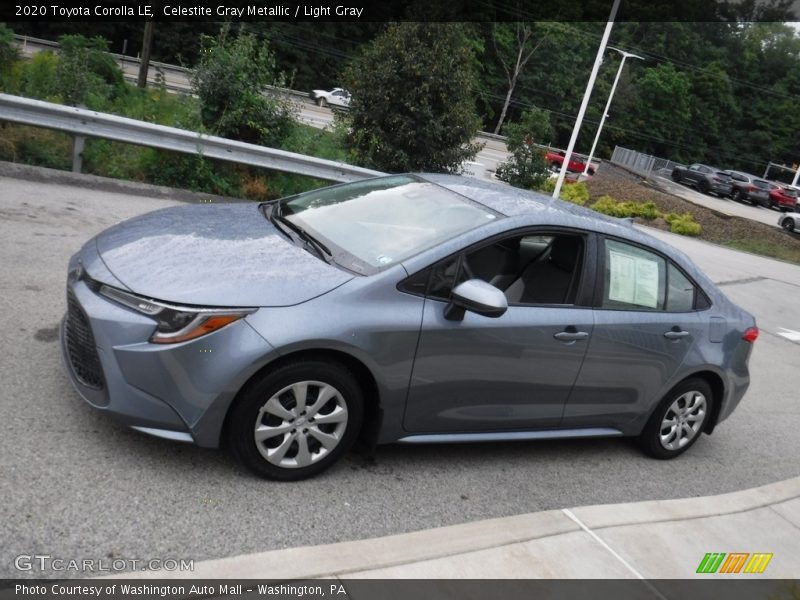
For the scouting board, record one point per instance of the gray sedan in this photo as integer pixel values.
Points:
(408, 308)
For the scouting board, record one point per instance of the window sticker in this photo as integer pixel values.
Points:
(633, 279)
(383, 260)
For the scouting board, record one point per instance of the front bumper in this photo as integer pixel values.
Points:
(177, 391)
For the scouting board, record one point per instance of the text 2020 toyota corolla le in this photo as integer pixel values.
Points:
(405, 309)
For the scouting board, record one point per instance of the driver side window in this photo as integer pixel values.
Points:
(529, 269)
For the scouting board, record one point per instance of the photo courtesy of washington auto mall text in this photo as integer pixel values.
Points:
(197, 589)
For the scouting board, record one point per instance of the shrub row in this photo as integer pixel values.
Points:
(578, 193)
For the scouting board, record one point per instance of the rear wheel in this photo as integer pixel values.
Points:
(678, 421)
(736, 195)
(676, 177)
(788, 224)
(702, 186)
(297, 420)
(322, 102)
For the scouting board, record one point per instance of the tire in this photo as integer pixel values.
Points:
(736, 195)
(788, 224)
(555, 166)
(676, 177)
(284, 406)
(688, 405)
(702, 186)
(322, 102)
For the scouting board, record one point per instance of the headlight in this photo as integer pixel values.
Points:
(176, 323)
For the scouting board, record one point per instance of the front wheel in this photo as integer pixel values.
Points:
(788, 224)
(678, 420)
(322, 102)
(297, 420)
(702, 187)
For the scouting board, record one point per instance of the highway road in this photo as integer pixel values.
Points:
(75, 484)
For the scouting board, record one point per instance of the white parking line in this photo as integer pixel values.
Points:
(624, 562)
(790, 334)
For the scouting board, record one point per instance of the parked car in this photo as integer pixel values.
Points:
(790, 221)
(555, 158)
(337, 97)
(783, 196)
(407, 308)
(749, 188)
(705, 178)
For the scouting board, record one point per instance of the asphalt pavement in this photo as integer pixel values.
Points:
(727, 206)
(75, 484)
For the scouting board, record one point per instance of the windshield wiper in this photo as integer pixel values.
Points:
(272, 212)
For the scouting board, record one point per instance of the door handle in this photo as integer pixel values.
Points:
(571, 336)
(676, 334)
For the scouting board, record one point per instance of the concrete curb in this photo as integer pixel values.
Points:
(363, 556)
(107, 184)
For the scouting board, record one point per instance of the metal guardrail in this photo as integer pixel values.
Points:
(83, 123)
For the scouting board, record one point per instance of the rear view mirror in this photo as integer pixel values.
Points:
(475, 295)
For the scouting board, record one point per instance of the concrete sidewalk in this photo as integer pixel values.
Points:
(662, 539)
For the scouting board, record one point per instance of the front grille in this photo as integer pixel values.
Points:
(80, 345)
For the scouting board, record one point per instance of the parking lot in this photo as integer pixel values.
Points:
(76, 484)
(724, 205)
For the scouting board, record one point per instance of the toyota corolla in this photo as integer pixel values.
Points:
(408, 308)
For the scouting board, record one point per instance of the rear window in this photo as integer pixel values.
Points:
(764, 185)
(790, 192)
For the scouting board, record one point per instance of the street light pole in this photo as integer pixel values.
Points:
(625, 56)
(586, 95)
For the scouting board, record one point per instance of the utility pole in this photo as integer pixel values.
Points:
(144, 65)
(625, 55)
(586, 95)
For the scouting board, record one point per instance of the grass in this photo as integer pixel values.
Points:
(771, 249)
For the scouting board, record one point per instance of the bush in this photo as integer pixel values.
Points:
(683, 224)
(413, 99)
(572, 191)
(230, 81)
(577, 193)
(525, 169)
(36, 77)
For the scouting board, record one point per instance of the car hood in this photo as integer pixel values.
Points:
(214, 255)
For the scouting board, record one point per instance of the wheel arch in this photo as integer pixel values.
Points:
(373, 412)
(718, 389)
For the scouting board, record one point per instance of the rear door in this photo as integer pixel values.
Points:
(646, 323)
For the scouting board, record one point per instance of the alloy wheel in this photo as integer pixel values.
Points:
(683, 420)
(301, 424)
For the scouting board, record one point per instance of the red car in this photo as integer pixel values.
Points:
(783, 196)
(576, 164)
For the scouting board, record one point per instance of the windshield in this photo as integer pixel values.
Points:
(383, 221)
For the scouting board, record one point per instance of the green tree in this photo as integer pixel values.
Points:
(527, 167)
(8, 52)
(232, 80)
(413, 102)
(86, 73)
(663, 108)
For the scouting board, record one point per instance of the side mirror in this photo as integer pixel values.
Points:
(475, 295)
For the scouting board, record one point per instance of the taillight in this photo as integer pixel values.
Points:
(751, 335)
(751, 188)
